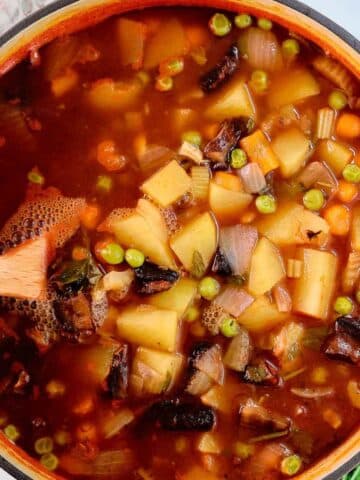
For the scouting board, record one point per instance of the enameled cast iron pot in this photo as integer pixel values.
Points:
(65, 16)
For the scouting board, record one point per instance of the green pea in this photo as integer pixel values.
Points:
(112, 253)
(175, 66)
(351, 173)
(44, 445)
(229, 327)
(12, 432)
(290, 48)
(259, 81)
(266, 204)
(291, 465)
(164, 84)
(143, 77)
(193, 137)
(134, 257)
(343, 305)
(313, 199)
(337, 100)
(62, 437)
(220, 25)
(104, 183)
(243, 20)
(238, 158)
(36, 177)
(49, 461)
(209, 287)
(264, 23)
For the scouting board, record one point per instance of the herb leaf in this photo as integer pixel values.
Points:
(198, 268)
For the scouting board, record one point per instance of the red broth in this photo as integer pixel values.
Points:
(180, 283)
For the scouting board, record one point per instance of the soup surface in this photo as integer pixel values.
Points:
(180, 250)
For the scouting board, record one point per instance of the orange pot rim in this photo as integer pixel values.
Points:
(66, 16)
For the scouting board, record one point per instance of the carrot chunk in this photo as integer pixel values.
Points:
(347, 191)
(348, 125)
(259, 150)
(338, 218)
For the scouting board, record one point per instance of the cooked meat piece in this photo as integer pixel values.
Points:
(239, 351)
(222, 72)
(254, 415)
(150, 278)
(220, 264)
(344, 342)
(231, 131)
(174, 415)
(262, 371)
(118, 377)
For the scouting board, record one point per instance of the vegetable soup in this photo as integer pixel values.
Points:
(180, 250)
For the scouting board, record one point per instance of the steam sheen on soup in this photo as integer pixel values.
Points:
(180, 250)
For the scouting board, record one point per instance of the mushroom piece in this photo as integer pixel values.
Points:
(344, 342)
(254, 415)
(150, 278)
(221, 73)
(116, 383)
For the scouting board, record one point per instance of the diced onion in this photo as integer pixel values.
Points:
(317, 175)
(234, 300)
(282, 298)
(252, 178)
(237, 243)
(261, 49)
(313, 393)
(191, 151)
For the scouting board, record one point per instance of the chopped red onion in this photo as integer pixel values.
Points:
(237, 244)
(234, 300)
(252, 178)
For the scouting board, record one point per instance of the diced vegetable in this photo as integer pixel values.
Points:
(294, 268)
(336, 73)
(218, 398)
(315, 288)
(107, 95)
(353, 391)
(154, 218)
(154, 372)
(178, 298)
(200, 177)
(191, 151)
(209, 442)
(237, 244)
(168, 42)
(348, 126)
(335, 154)
(258, 149)
(198, 235)
(227, 204)
(132, 230)
(261, 49)
(113, 423)
(228, 181)
(239, 351)
(291, 223)
(234, 300)
(282, 91)
(325, 123)
(317, 175)
(355, 229)
(150, 327)
(347, 192)
(232, 101)
(23, 269)
(168, 184)
(131, 41)
(282, 298)
(338, 217)
(63, 84)
(261, 315)
(287, 346)
(351, 272)
(252, 178)
(292, 149)
(265, 258)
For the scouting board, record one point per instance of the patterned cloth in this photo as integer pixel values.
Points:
(12, 11)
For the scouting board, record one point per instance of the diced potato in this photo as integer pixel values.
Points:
(335, 154)
(282, 90)
(131, 41)
(227, 204)
(233, 100)
(154, 218)
(169, 41)
(218, 398)
(290, 225)
(355, 229)
(149, 326)
(167, 184)
(266, 268)
(166, 368)
(198, 235)
(259, 150)
(134, 231)
(64, 83)
(287, 346)
(261, 315)
(178, 298)
(108, 96)
(292, 148)
(210, 442)
(314, 290)
(294, 268)
(198, 473)
(353, 391)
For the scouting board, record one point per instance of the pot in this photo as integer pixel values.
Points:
(67, 16)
